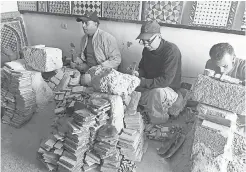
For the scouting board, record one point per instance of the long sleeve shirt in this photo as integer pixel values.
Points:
(161, 67)
(238, 70)
(105, 49)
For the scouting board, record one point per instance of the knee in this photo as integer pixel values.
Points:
(85, 80)
(156, 91)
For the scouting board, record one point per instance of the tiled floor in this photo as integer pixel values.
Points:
(19, 147)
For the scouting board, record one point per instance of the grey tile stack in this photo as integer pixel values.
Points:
(76, 142)
(91, 160)
(131, 140)
(18, 98)
(105, 147)
(99, 107)
(51, 149)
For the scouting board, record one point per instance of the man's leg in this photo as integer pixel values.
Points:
(156, 102)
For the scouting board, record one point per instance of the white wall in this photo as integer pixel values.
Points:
(8, 6)
(194, 45)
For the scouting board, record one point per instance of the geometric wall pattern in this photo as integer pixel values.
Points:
(163, 11)
(213, 14)
(84, 7)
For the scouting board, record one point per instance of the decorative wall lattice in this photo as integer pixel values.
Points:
(243, 27)
(129, 10)
(43, 6)
(13, 35)
(219, 16)
(214, 14)
(83, 7)
(61, 7)
(163, 11)
(27, 5)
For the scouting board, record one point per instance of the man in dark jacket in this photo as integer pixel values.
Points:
(159, 71)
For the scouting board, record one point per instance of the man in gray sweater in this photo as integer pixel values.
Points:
(159, 71)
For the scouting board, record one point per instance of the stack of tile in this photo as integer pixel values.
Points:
(84, 118)
(18, 98)
(131, 141)
(67, 98)
(105, 147)
(76, 141)
(134, 122)
(131, 108)
(213, 131)
(64, 77)
(55, 80)
(91, 159)
(112, 163)
(99, 106)
(131, 144)
(51, 149)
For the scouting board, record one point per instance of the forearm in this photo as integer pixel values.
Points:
(112, 62)
(158, 82)
(141, 73)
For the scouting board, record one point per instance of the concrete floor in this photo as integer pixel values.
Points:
(19, 147)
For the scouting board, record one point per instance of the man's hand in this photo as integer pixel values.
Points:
(83, 67)
(72, 65)
(135, 73)
(86, 80)
(243, 82)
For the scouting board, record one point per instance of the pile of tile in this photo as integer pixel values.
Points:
(18, 97)
(131, 140)
(157, 132)
(105, 147)
(213, 130)
(65, 77)
(92, 161)
(112, 163)
(99, 107)
(55, 80)
(51, 149)
(67, 98)
(76, 142)
(127, 166)
(134, 122)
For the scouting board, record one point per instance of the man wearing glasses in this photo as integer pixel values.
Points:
(159, 71)
(97, 46)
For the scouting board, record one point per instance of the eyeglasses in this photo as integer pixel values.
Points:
(148, 42)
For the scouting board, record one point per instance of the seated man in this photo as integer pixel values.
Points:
(224, 61)
(160, 72)
(97, 46)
